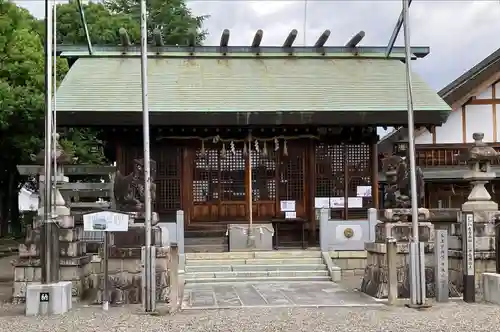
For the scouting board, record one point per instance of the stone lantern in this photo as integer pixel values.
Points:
(62, 158)
(479, 159)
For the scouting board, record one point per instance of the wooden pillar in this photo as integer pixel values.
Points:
(187, 182)
(248, 182)
(346, 183)
(374, 173)
(311, 190)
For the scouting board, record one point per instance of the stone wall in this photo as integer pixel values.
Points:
(376, 272)
(125, 278)
(352, 263)
(74, 262)
(125, 268)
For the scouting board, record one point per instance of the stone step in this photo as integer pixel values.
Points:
(254, 261)
(256, 274)
(237, 268)
(205, 240)
(256, 279)
(283, 254)
(205, 248)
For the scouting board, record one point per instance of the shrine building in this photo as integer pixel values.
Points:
(290, 127)
(474, 98)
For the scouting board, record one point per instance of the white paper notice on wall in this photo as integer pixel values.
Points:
(364, 191)
(352, 202)
(336, 202)
(287, 206)
(322, 202)
(290, 215)
(355, 202)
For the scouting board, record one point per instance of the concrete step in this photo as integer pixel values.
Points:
(255, 274)
(237, 268)
(254, 261)
(205, 240)
(276, 254)
(205, 249)
(255, 279)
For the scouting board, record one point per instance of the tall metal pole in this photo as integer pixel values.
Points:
(416, 297)
(54, 120)
(149, 299)
(305, 22)
(49, 261)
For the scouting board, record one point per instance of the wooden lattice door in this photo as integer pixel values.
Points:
(264, 179)
(218, 188)
(292, 177)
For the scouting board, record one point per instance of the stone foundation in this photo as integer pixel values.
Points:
(125, 277)
(125, 268)
(74, 262)
(376, 271)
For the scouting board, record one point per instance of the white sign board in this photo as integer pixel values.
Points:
(352, 202)
(364, 191)
(106, 221)
(322, 202)
(469, 243)
(290, 215)
(287, 206)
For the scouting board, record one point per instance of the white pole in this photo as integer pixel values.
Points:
(149, 300)
(48, 266)
(305, 22)
(416, 295)
(54, 121)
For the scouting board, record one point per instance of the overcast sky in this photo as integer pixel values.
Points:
(459, 33)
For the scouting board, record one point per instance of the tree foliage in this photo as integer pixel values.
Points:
(22, 81)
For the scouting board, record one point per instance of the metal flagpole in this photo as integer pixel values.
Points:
(54, 121)
(49, 262)
(416, 296)
(149, 296)
(305, 22)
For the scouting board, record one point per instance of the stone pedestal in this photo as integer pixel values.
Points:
(74, 262)
(259, 239)
(395, 226)
(124, 267)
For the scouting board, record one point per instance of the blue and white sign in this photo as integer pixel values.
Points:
(106, 221)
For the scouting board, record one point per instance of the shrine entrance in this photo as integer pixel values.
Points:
(221, 178)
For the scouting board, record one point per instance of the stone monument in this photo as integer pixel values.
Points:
(396, 225)
(483, 212)
(72, 262)
(125, 247)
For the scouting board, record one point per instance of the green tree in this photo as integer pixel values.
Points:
(172, 17)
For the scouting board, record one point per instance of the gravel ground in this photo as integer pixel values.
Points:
(453, 316)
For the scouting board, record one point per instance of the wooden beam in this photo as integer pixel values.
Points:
(495, 77)
(464, 125)
(248, 186)
(489, 101)
(434, 139)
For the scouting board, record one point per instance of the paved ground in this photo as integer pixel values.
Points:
(453, 317)
(284, 294)
(6, 278)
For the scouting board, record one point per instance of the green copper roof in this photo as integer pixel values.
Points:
(233, 84)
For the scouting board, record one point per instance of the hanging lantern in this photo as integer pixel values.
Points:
(264, 150)
(276, 144)
(285, 149)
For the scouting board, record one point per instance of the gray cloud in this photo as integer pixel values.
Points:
(460, 33)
